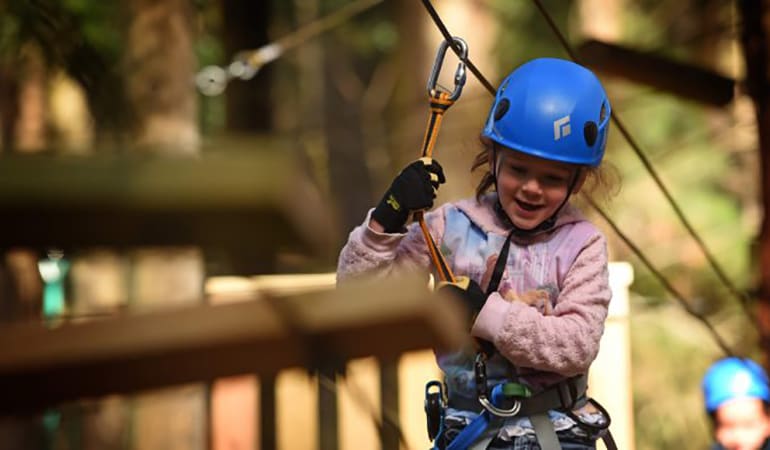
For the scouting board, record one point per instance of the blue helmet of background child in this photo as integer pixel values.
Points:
(551, 108)
(732, 378)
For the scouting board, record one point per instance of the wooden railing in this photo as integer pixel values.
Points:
(321, 330)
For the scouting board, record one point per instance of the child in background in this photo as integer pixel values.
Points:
(737, 400)
(534, 270)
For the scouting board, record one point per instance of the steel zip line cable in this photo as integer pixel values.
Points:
(212, 80)
(634, 248)
(659, 276)
(734, 291)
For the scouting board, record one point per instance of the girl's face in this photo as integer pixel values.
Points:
(531, 189)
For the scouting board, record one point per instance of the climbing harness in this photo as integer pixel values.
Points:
(440, 101)
(509, 399)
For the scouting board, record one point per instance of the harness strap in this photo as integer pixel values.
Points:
(609, 441)
(568, 394)
(473, 432)
(480, 432)
(502, 259)
(489, 435)
(546, 435)
(565, 395)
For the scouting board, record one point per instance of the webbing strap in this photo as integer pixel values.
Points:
(439, 103)
(502, 259)
(546, 435)
(609, 441)
(472, 432)
(482, 429)
(489, 434)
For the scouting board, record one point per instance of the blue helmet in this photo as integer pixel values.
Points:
(551, 108)
(731, 378)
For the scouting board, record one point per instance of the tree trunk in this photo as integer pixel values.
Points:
(160, 63)
(348, 173)
(248, 103)
(754, 15)
(22, 111)
(9, 105)
(30, 135)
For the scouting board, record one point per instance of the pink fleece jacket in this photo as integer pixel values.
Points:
(547, 316)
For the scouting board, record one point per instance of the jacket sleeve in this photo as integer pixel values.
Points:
(368, 252)
(565, 342)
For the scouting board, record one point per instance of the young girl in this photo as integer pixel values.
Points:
(538, 290)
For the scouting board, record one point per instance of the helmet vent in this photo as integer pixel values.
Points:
(590, 132)
(501, 108)
(603, 112)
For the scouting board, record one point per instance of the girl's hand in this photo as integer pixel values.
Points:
(414, 189)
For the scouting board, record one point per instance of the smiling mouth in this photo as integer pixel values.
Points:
(526, 206)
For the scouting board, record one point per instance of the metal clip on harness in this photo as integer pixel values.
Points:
(435, 405)
(480, 370)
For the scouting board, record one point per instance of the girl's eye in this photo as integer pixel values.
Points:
(518, 169)
(556, 180)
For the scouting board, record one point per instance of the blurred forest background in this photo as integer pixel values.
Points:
(105, 80)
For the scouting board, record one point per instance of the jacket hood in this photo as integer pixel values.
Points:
(484, 214)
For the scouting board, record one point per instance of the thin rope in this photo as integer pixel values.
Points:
(661, 279)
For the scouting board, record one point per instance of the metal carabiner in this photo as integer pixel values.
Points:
(480, 371)
(499, 412)
(460, 75)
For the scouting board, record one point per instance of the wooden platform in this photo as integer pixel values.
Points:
(42, 367)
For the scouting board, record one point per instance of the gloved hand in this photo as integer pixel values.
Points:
(414, 189)
(473, 298)
(469, 292)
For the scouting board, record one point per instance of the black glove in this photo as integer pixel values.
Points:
(414, 189)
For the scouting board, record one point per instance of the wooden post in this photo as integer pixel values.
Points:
(755, 50)
(328, 433)
(267, 428)
(389, 410)
(610, 376)
(248, 103)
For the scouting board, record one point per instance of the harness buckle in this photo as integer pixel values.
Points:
(595, 428)
(460, 74)
(568, 395)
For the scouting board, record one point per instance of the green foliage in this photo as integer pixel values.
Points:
(372, 36)
(524, 32)
(667, 399)
(99, 24)
(692, 168)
